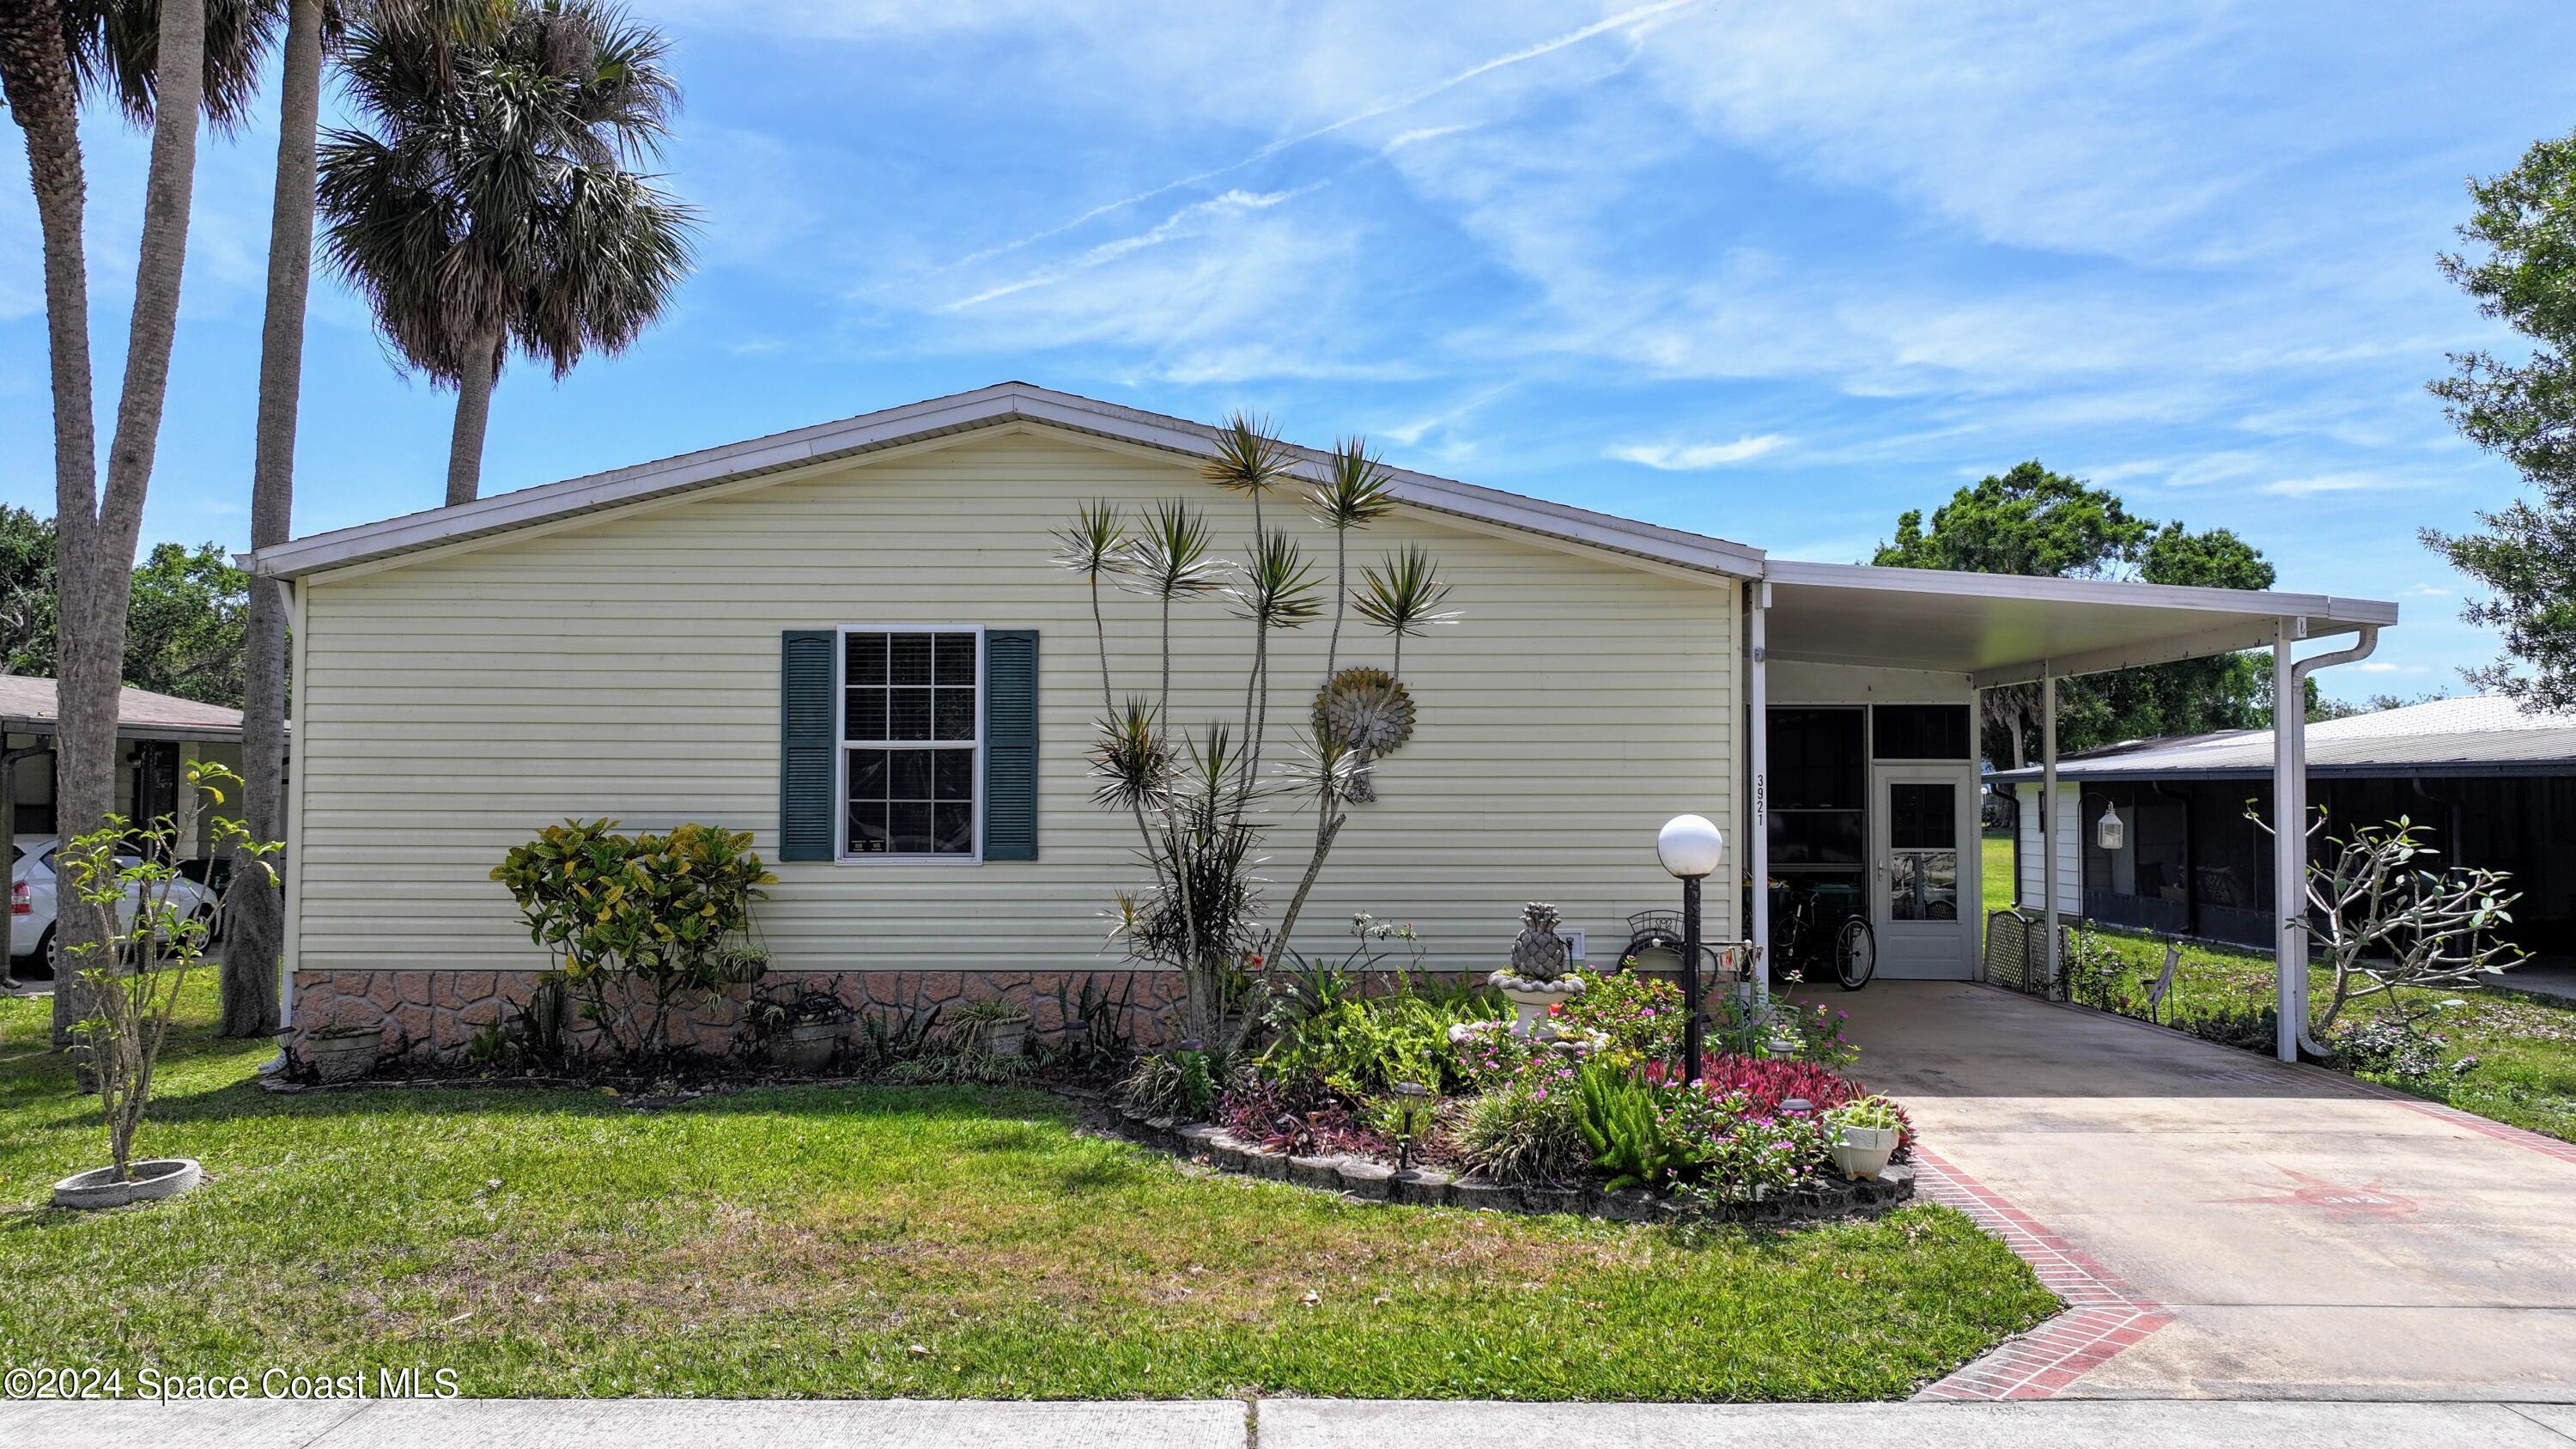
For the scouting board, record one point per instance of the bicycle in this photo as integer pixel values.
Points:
(1801, 938)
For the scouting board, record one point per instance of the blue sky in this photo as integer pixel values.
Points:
(1773, 272)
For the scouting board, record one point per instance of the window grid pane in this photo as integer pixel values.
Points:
(902, 692)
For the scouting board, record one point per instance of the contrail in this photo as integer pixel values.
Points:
(1620, 21)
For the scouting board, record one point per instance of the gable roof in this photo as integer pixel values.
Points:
(1000, 405)
(30, 704)
(2478, 735)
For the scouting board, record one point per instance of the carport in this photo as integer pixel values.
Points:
(1825, 637)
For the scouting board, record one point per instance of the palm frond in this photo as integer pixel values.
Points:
(1249, 459)
(1356, 492)
(1279, 588)
(1403, 597)
(115, 47)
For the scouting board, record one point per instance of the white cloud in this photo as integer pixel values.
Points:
(2329, 483)
(1694, 457)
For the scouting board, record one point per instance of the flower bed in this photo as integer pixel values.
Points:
(1431, 1093)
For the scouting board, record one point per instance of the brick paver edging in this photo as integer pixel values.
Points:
(2103, 1313)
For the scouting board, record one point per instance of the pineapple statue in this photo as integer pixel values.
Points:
(1537, 977)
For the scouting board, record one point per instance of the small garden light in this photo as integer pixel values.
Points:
(1414, 1104)
(1690, 848)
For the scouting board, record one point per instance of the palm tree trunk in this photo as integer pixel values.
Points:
(250, 997)
(473, 418)
(36, 72)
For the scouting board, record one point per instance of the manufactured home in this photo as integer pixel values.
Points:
(851, 641)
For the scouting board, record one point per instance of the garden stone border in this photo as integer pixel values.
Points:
(1372, 1181)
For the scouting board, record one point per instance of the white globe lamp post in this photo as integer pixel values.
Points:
(1691, 848)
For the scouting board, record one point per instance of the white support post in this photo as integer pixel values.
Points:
(2048, 825)
(1757, 825)
(2289, 845)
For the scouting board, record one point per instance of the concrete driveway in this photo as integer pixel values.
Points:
(2261, 1231)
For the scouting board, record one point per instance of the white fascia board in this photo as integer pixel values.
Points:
(1000, 404)
(2264, 602)
(2228, 638)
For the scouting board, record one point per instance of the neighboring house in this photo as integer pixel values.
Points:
(2494, 786)
(631, 645)
(158, 737)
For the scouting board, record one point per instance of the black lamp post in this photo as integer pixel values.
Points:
(1690, 848)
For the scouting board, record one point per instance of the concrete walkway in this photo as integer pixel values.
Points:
(1274, 1424)
(2266, 1232)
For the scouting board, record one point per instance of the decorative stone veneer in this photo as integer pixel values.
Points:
(430, 1016)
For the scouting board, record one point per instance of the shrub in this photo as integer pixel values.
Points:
(1301, 1117)
(1526, 1129)
(2395, 1050)
(1637, 1018)
(660, 915)
(1178, 1082)
(1765, 1083)
(1360, 1045)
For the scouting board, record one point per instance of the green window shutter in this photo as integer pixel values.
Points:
(1010, 744)
(805, 805)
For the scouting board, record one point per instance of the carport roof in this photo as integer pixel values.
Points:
(2006, 629)
(2479, 735)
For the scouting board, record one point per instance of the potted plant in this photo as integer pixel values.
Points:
(344, 1053)
(1866, 1133)
(1538, 977)
(801, 1029)
(996, 1027)
(130, 974)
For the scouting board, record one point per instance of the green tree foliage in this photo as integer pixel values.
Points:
(183, 635)
(2035, 522)
(2524, 412)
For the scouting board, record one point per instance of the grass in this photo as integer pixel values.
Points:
(864, 1242)
(2525, 1044)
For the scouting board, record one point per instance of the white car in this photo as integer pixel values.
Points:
(32, 890)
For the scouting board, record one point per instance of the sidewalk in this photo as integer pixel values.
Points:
(1277, 1424)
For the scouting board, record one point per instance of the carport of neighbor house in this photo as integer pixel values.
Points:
(1846, 635)
(2282, 1231)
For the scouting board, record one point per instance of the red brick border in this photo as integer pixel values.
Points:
(2103, 1313)
(2541, 1143)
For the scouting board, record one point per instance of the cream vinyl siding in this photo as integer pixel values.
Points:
(627, 666)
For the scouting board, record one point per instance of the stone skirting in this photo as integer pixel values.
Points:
(429, 1017)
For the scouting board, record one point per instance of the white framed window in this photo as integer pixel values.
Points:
(910, 702)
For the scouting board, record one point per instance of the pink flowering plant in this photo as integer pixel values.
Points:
(1637, 1019)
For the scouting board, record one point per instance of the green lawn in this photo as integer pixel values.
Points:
(804, 1241)
(2525, 1044)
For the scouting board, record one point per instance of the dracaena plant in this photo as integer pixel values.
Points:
(1203, 795)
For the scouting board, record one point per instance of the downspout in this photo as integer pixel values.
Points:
(1757, 825)
(2290, 829)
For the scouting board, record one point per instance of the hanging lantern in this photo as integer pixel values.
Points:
(2108, 830)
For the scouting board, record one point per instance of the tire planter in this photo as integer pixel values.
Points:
(154, 1178)
(808, 1046)
(344, 1057)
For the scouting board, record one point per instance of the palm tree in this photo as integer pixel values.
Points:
(493, 206)
(250, 1004)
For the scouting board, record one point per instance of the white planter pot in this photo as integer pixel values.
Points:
(1863, 1151)
(1533, 998)
(344, 1058)
(1003, 1038)
(153, 1178)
